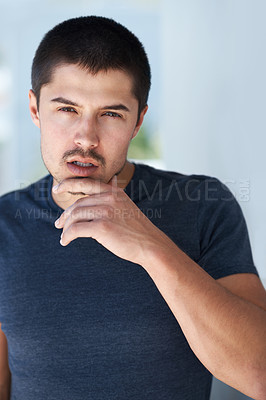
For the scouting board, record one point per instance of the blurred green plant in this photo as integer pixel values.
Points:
(145, 145)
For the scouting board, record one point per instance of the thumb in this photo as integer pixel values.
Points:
(114, 181)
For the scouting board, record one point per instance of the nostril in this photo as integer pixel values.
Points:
(86, 139)
(86, 143)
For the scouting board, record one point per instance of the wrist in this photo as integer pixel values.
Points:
(160, 255)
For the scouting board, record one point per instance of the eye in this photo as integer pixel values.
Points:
(112, 114)
(67, 109)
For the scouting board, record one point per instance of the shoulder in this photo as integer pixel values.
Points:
(21, 198)
(194, 187)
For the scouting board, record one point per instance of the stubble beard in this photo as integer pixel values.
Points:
(58, 178)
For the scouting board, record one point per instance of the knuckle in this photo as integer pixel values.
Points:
(69, 211)
(115, 193)
(85, 185)
(105, 226)
(73, 230)
(108, 211)
(79, 201)
(109, 197)
(76, 213)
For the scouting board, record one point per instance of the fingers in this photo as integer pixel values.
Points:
(74, 222)
(85, 186)
(79, 229)
(85, 224)
(80, 214)
(96, 200)
(92, 208)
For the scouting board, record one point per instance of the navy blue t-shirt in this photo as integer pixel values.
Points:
(82, 323)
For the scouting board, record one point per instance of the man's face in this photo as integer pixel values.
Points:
(86, 122)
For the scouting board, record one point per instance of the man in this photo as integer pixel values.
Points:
(98, 301)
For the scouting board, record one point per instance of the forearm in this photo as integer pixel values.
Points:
(226, 332)
(5, 391)
(5, 375)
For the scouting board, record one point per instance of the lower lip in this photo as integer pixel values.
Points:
(77, 170)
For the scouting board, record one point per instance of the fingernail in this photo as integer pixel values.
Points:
(55, 188)
(57, 222)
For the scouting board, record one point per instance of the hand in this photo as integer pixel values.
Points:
(109, 216)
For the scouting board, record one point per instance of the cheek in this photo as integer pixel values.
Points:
(115, 147)
(54, 133)
(117, 138)
(53, 142)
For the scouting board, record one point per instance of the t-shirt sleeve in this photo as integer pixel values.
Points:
(222, 231)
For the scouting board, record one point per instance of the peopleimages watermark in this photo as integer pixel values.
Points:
(42, 213)
(36, 213)
(192, 189)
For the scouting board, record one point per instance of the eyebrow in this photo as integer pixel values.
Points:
(62, 100)
(116, 107)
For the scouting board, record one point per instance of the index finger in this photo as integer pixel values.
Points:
(85, 186)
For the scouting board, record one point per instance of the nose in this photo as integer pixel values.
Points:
(86, 134)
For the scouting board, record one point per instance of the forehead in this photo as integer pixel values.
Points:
(79, 81)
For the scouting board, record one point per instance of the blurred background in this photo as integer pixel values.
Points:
(207, 103)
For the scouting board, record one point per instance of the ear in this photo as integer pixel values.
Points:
(33, 109)
(141, 118)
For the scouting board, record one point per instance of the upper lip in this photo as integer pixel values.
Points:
(83, 160)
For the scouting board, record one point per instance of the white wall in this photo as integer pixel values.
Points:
(213, 102)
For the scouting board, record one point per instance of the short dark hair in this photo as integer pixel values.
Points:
(96, 44)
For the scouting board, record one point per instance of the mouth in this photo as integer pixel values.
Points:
(83, 164)
(82, 169)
